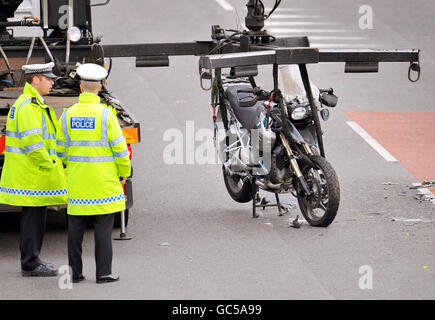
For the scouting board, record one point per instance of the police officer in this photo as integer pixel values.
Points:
(95, 153)
(33, 177)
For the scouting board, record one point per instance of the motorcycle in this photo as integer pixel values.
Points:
(268, 140)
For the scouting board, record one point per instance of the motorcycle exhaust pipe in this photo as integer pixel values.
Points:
(267, 185)
(238, 167)
(270, 185)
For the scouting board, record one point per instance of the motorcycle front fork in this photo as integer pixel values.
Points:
(294, 164)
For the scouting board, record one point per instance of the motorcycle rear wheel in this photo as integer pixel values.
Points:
(240, 190)
(320, 208)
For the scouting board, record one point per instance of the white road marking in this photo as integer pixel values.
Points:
(371, 141)
(224, 4)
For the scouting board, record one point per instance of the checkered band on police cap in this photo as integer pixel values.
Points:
(43, 69)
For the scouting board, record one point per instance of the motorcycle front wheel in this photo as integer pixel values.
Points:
(320, 208)
(239, 189)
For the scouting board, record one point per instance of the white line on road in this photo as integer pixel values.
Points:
(224, 4)
(371, 141)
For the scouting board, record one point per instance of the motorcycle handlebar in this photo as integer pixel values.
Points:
(329, 91)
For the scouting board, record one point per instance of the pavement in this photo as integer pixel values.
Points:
(191, 241)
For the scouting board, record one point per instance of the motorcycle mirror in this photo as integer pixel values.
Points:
(325, 114)
(329, 100)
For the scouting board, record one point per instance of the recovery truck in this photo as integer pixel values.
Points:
(40, 31)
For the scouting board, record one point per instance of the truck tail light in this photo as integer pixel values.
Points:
(130, 152)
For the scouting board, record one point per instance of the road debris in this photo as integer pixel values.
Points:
(402, 219)
(375, 214)
(165, 244)
(296, 223)
(424, 197)
(423, 193)
(424, 184)
(390, 183)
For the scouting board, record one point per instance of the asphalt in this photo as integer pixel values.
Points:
(190, 240)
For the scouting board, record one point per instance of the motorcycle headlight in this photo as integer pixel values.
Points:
(299, 113)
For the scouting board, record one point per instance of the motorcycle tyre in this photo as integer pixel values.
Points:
(244, 194)
(333, 193)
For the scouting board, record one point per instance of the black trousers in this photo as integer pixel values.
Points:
(103, 225)
(32, 229)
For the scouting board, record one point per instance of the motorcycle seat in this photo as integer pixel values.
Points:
(244, 102)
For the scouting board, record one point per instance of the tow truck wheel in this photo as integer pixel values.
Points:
(117, 223)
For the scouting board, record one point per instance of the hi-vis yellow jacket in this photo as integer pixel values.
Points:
(32, 173)
(94, 150)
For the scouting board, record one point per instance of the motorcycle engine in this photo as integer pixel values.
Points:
(280, 166)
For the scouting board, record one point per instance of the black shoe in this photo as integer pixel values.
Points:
(108, 278)
(78, 279)
(40, 271)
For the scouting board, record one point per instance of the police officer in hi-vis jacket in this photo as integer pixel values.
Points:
(33, 177)
(93, 148)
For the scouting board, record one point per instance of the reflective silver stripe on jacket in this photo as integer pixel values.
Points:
(65, 128)
(22, 104)
(44, 127)
(13, 134)
(35, 146)
(45, 134)
(121, 154)
(114, 142)
(29, 132)
(88, 143)
(23, 134)
(30, 148)
(91, 159)
(104, 117)
(15, 150)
